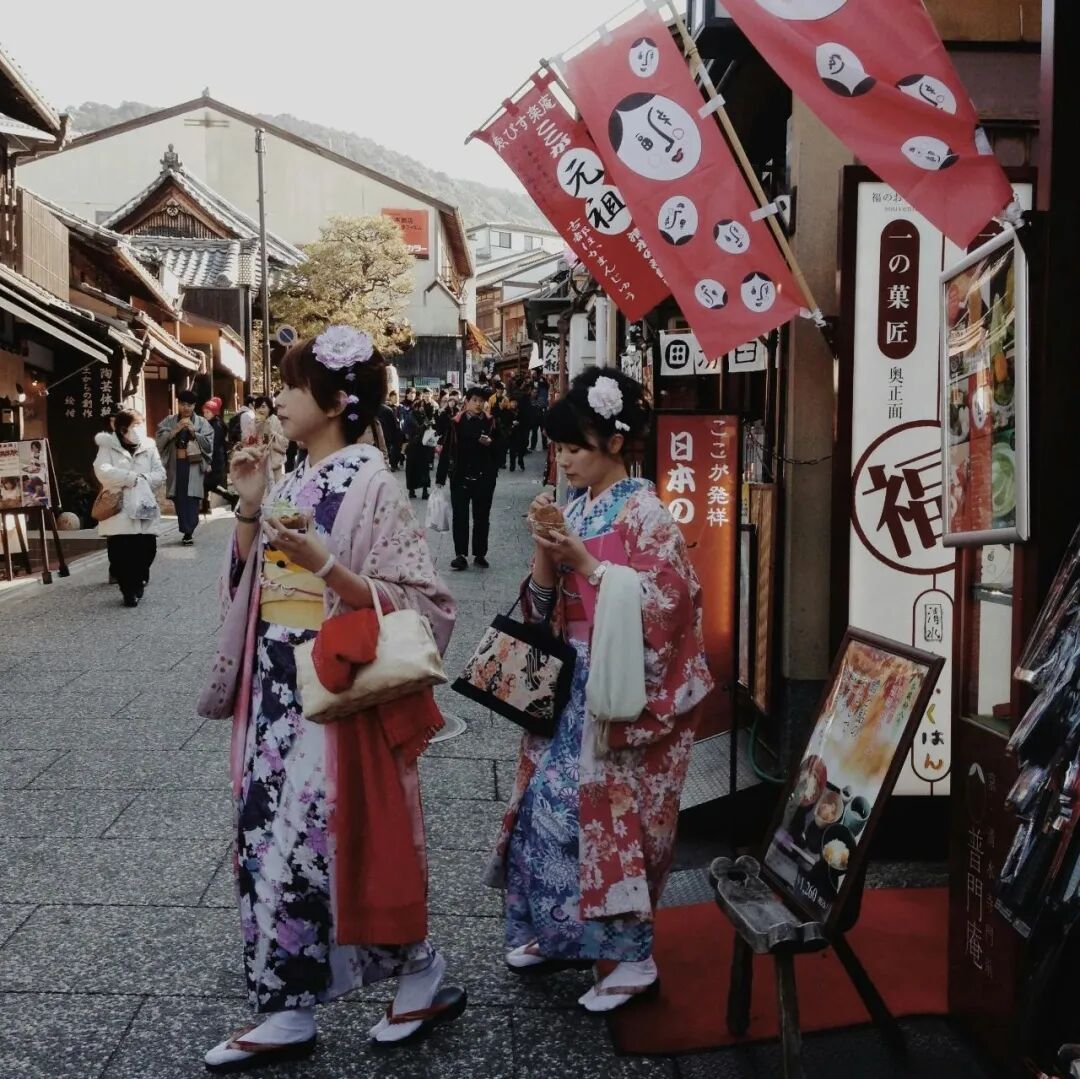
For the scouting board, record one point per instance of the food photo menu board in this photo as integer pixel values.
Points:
(984, 395)
(24, 475)
(877, 693)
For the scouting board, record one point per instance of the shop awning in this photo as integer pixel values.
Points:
(478, 341)
(25, 309)
(231, 359)
(168, 348)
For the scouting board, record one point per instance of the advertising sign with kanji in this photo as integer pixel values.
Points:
(697, 479)
(415, 230)
(876, 694)
(690, 200)
(984, 394)
(24, 475)
(901, 580)
(878, 75)
(555, 158)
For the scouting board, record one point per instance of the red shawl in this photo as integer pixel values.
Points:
(380, 870)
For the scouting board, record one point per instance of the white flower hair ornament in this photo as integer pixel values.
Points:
(340, 347)
(606, 399)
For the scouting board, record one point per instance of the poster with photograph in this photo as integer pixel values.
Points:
(876, 697)
(984, 395)
(24, 474)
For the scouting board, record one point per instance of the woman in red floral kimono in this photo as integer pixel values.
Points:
(589, 834)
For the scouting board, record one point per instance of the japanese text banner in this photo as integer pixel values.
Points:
(688, 196)
(555, 158)
(878, 75)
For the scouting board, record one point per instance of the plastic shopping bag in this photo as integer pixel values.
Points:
(438, 514)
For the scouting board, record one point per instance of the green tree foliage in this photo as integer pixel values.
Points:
(358, 274)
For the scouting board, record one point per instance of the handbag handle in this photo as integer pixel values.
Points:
(375, 597)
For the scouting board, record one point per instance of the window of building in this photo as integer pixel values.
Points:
(532, 243)
(500, 239)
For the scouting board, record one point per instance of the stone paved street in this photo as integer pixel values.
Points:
(119, 937)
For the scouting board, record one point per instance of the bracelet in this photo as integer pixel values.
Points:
(327, 567)
(248, 520)
(597, 574)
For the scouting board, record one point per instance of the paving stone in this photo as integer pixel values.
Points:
(176, 815)
(485, 739)
(75, 731)
(460, 824)
(99, 703)
(444, 777)
(122, 871)
(18, 767)
(137, 770)
(574, 1043)
(456, 884)
(475, 951)
(213, 736)
(221, 891)
(159, 951)
(49, 1037)
(505, 774)
(12, 915)
(26, 814)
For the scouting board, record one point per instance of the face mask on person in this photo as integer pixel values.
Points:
(136, 434)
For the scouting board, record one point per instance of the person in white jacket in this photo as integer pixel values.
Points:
(128, 463)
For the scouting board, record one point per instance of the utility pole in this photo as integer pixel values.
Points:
(260, 153)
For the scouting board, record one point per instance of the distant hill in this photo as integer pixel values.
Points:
(479, 203)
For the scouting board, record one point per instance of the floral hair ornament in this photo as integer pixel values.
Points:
(606, 400)
(341, 347)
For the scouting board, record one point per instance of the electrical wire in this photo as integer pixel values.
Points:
(788, 460)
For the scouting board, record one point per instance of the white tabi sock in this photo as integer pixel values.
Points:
(279, 1028)
(527, 955)
(631, 975)
(415, 992)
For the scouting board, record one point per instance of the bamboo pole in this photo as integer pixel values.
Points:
(691, 50)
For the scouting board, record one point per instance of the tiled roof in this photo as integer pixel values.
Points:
(229, 217)
(205, 263)
(26, 102)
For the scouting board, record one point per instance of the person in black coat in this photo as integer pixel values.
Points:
(418, 455)
(468, 460)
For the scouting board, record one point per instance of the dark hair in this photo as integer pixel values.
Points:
(261, 400)
(186, 397)
(249, 401)
(476, 391)
(572, 419)
(615, 123)
(123, 421)
(365, 381)
(35, 445)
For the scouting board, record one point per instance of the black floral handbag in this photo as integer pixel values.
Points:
(522, 671)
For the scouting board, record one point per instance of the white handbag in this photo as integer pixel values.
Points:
(406, 661)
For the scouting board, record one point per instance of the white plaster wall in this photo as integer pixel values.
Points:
(302, 189)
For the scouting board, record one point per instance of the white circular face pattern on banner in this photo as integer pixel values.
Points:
(801, 10)
(842, 71)
(580, 172)
(732, 237)
(711, 294)
(607, 211)
(655, 137)
(927, 89)
(678, 220)
(644, 57)
(758, 292)
(928, 153)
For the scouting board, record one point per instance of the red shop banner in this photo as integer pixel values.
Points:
(878, 75)
(688, 195)
(555, 158)
(697, 479)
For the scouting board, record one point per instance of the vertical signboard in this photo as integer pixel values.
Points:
(415, 230)
(697, 475)
(901, 576)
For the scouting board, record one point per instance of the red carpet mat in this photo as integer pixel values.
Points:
(901, 939)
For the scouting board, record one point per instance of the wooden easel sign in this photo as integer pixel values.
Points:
(877, 693)
(28, 489)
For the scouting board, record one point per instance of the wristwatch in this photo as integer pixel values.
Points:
(597, 574)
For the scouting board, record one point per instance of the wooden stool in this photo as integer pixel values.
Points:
(764, 925)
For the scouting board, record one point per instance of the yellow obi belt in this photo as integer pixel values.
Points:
(291, 596)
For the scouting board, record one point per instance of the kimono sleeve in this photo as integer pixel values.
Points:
(670, 617)
(400, 561)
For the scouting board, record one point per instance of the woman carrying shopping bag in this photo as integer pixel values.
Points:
(330, 855)
(129, 469)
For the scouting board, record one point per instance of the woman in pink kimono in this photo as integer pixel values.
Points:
(590, 831)
(332, 531)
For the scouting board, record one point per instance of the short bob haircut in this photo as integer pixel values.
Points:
(301, 369)
(573, 421)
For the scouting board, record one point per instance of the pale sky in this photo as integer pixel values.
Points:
(415, 75)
